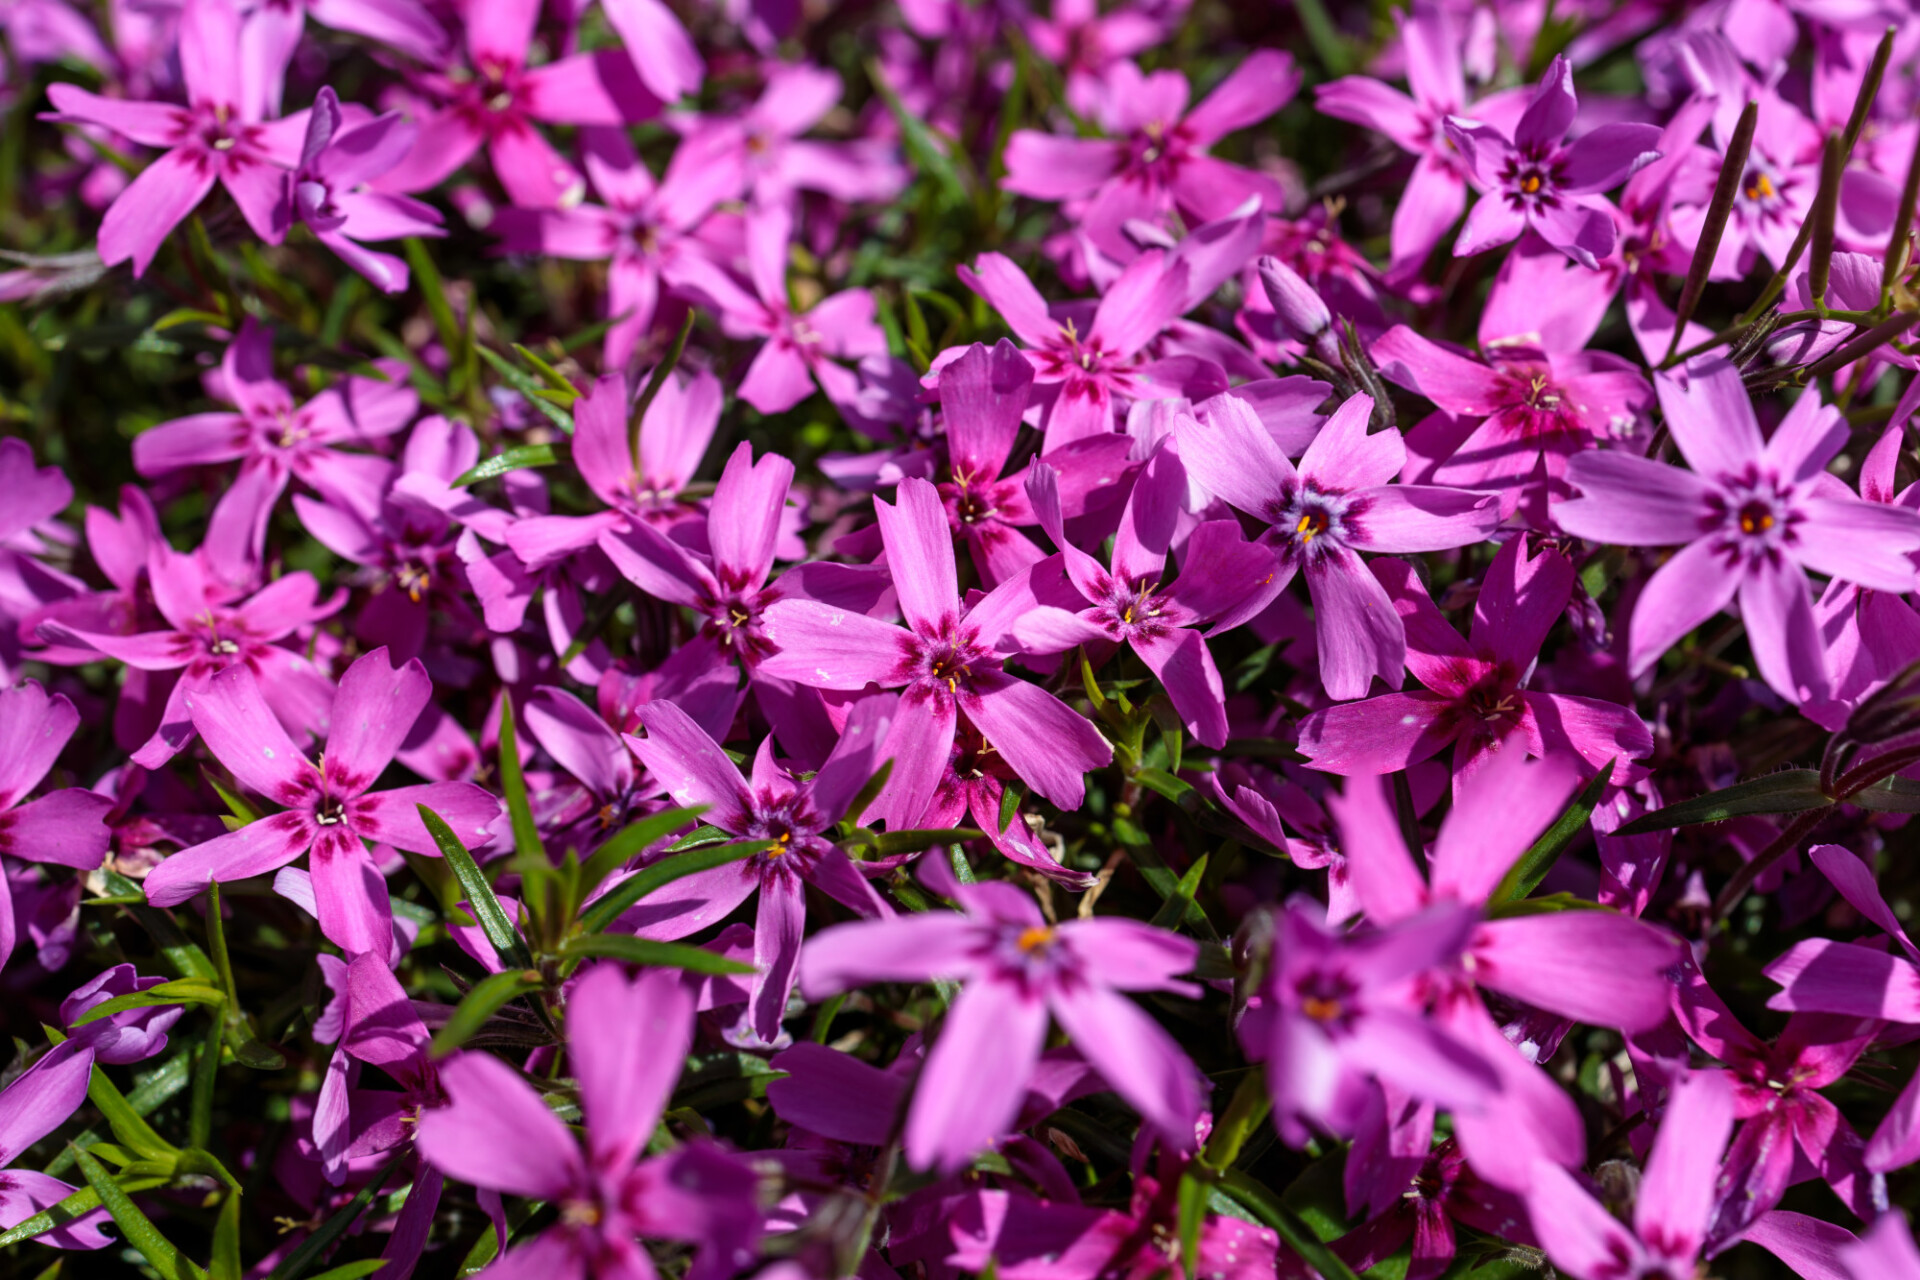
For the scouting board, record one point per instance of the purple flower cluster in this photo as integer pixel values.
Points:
(949, 639)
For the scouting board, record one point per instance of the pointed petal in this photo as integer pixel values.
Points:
(969, 1091)
(496, 1133)
(255, 849)
(627, 1041)
(691, 766)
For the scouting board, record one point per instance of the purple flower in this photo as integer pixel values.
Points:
(205, 636)
(1134, 604)
(1751, 514)
(1534, 181)
(626, 1042)
(798, 816)
(949, 659)
(1016, 970)
(1338, 503)
(66, 827)
(38, 1101)
(328, 189)
(641, 226)
(1156, 160)
(1670, 1210)
(222, 135)
(1339, 1010)
(276, 439)
(797, 344)
(760, 146)
(1476, 695)
(495, 99)
(326, 811)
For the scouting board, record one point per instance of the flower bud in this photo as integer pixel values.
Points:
(1300, 310)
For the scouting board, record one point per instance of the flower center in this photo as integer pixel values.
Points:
(330, 813)
(1034, 938)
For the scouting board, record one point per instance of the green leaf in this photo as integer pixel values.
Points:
(128, 1125)
(225, 1263)
(295, 1264)
(1193, 1216)
(1174, 909)
(354, 1270)
(700, 838)
(631, 841)
(526, 833)
(1266, 1207)
(662, 955)
(870, 792)
(179, 991)
(159, 1088)
(1890, 795)
(506, 940)
(238, 805)
(1524, 876)
(1790, 791)
(928, 153)
(661, 372)
(604, 912)
(1162, 782)
(77, 1205)
(486, 998)
(1549, 905)
(913, 839)
(135, 1227)
(519, 458)
(555, 379)
(517, 378)
(427, 276)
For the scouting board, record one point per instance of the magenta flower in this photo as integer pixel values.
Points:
(646, 489)
(761, 147)
(1338, 503)
(983, 397)
(1513, 423)
(1752, 514)
(1339, 1010)
(327, 810)
(1777, 1101)
(1156, 160)
(1086, 379)
(626, 1042)
(797, 344)
(328, 189)
(221, 135)
(34, 1104)
(1670, 1210)
(1535, 181)
(1476, 695)
(640, 227)
(1016, 970)
(1133, 603)
(495, 100)
(67, 827)
(948, 659)
(205, 635)
(971, 791)
(1436, 193)
(276, 439)
(798, 816)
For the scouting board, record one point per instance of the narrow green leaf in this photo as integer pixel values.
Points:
(661, 372)
(1192, 1194)
(206, 1077)
(225, 1263)
(526, 833)
(486, 998)
(1733, 171)
(517, 378)
(1010, 795)
(1826, 206)
(129, 1126)
(1790, 791)
(159, 1088)
(135, 1227)
(659, 955)
(699, 838)
(914, 839)
(607, 909)
(519, 458)
(1266, 1207)
(929, 155)
(1174, 909)
(1162, 782)
(555, 379)
(77, 1205)
(238, 805)
(1891, 795)
(427, 276)
(179, 991)
(295, 1264)
(1524, 876)
(353, 1270)
(870, 792)
(506, 940)
(631, 841)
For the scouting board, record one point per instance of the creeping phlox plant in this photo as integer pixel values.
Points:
(1037, 639)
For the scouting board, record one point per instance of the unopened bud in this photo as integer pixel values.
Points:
(1302, 314)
